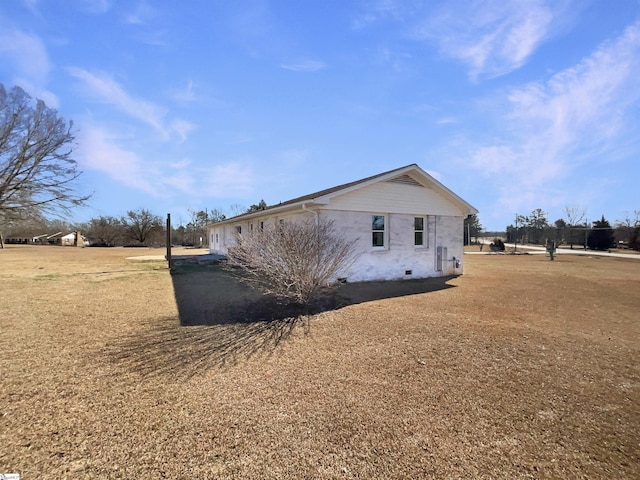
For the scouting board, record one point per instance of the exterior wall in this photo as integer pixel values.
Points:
(399, 254)
(392, 262)
(222, 237)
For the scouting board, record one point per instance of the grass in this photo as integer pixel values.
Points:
(521, 368)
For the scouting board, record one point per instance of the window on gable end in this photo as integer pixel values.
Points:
(377, 231)
(418, 232)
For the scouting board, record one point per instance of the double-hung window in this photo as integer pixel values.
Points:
(418, 232)
(421, 232)
(378, 231)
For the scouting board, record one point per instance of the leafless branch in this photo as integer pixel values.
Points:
(293, 260)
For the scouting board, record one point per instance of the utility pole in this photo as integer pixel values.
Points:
(168, 256)
(515, 236)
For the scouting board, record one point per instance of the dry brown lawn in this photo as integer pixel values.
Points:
(521, 368)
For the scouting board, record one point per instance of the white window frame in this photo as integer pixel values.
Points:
(384, 231)
(424, 231)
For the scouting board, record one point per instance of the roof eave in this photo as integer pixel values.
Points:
(269, 211)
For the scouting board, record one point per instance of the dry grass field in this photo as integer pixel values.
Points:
(522, 368)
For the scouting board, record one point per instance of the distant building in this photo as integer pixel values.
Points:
(74, 239)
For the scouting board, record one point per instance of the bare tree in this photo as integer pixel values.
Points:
(216, 215)
(629, 228)
(37, 173)
(575, 217)
(293, 260)
(237, 209)
(140, 224)
(107, 231)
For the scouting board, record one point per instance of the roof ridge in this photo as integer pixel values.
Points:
(326, 191)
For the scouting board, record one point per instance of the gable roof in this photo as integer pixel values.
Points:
(406, 174)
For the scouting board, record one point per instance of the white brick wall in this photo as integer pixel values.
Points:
(400, 254)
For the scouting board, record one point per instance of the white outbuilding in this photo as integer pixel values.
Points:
(407, 224)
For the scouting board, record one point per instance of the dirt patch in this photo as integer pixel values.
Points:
(521, 368)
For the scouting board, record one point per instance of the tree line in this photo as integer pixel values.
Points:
(140, 227)
(575, 230)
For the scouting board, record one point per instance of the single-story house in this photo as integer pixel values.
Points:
(74, 239)
(408, 224)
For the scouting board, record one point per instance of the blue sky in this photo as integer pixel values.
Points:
(208, 104)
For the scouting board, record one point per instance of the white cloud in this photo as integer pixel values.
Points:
(186, 94)
(109, 91)
(233, 179)
(185, 162)
(182, 128)
(305, 66)
(140, 15)
(446, 121)
(492, 37)
(99, 150)
(32, 6)
(378, 10)
(30, 62)
(573, 120)
(95, 7)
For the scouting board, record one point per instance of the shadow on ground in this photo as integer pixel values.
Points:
(222, 320)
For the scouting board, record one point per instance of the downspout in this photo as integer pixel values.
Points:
(305, 209)
(435, 243)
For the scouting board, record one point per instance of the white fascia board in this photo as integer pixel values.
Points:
(268, 212)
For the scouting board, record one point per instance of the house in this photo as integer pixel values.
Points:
(408, 224)
(74, 239)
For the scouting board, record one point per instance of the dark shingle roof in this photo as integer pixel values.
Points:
(328, 191)
(402, 177)
(321, 193)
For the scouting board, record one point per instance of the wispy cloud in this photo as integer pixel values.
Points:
(139, 15)
(378, 10)
(182, 128)
(187, 94)
(492, 37)
(103, 150)
(305, 66)
(107, 90)
(577, 114)
(227, 180)
(30, 63)
(96, 7)
(99, 149)
(446, 121)
(32, 6)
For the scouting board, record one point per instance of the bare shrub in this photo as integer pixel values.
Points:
(293, 260)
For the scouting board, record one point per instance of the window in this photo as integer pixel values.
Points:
(418, 231)
(216, 238)
(239, 229)
(377, 229)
